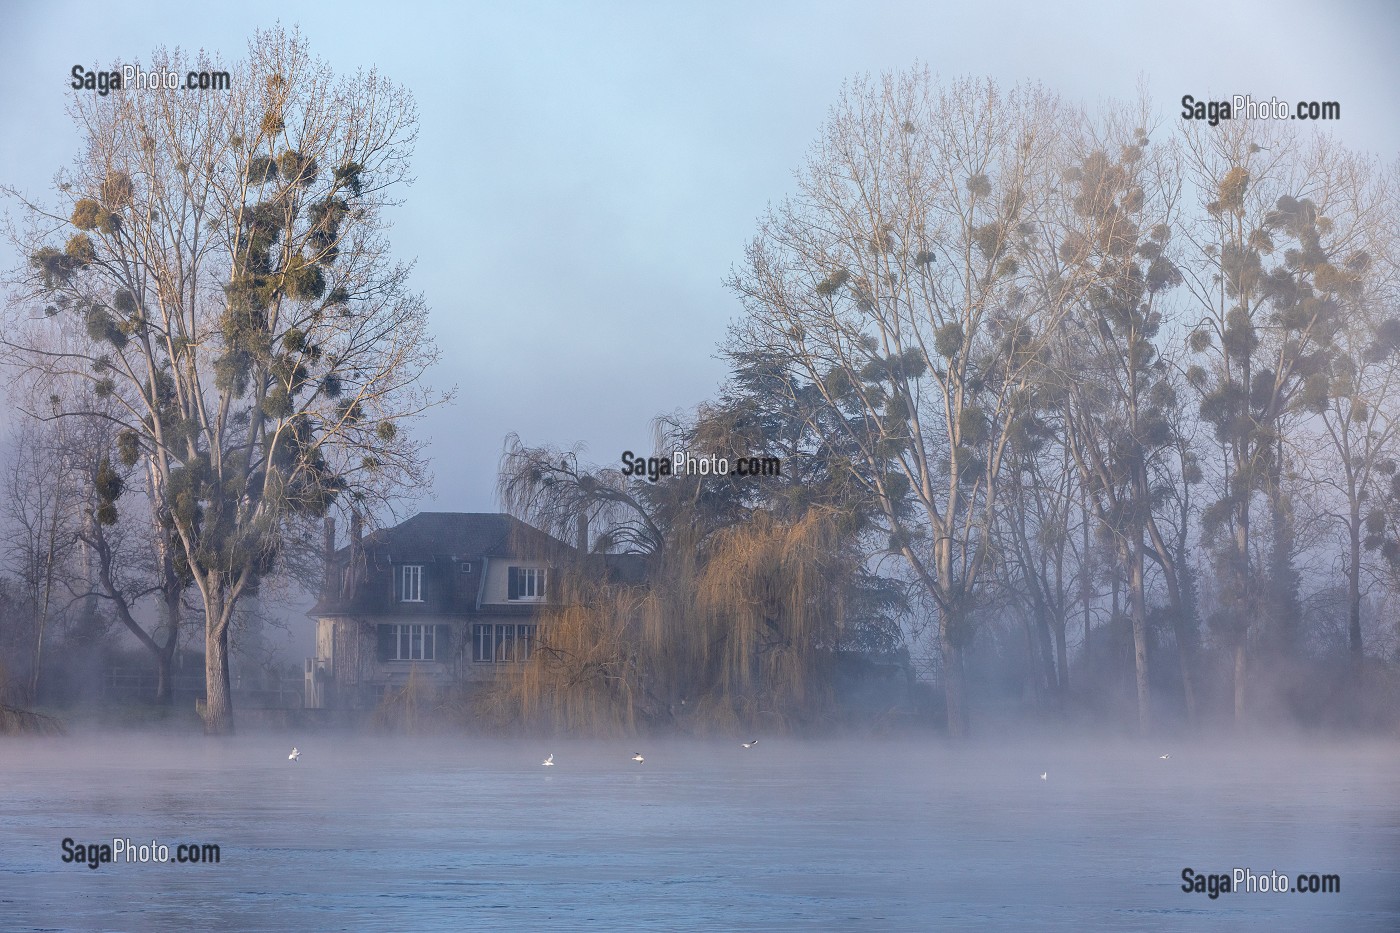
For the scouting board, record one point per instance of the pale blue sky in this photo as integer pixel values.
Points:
(588, 174)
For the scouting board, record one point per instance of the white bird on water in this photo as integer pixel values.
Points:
(638, 758)
(1045, 775)
(1164, 758)
(295, 755)
(548, 762)
(750, 744)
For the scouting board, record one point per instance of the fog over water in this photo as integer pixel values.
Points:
(898, 833)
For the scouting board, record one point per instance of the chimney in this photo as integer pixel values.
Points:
(328, 554)
(355, 532)
(582, 532)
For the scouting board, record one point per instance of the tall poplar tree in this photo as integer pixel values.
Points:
(224, 254)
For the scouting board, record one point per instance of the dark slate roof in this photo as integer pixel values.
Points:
(465, 535)
(445, 538)
(448, 539)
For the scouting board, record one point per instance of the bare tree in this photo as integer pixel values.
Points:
(1040, 559)
(137, 560)
(896, 281)
(1274, 263)
(225, 254)
(1347, 454)
(1120, 398)
(124, 554)
(40, 493)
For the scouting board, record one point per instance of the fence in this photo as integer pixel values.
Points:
(124, 686)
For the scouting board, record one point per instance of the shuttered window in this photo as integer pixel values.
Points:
(525, 583)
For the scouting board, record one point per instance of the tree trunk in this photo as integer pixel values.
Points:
(1245, 609)
(1116, 607)
(1356, 648)
(90, 577)
(954, 684)
(1181, 590)
(1062, 660)
(1045, 651)
(1138, 599)
(218, 703)
(165, 687)
(1181, 596)
(1239, 680)
(1039, 639)
(1186, 656)
(1354, 590)
(1086, 588)
(41, 625)
(1036, 661)
(164, 693)
(37, 660)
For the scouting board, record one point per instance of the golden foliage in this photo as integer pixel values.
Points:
(733, 630)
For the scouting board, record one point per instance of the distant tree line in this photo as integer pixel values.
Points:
(1099, 393)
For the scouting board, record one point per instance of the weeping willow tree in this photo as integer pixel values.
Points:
(733, 630)
(773, 589)
(708, 602)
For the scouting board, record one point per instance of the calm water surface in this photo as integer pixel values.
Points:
(899, 834)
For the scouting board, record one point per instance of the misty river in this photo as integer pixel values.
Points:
(906, 833)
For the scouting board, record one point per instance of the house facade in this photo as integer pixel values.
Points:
(444, 598)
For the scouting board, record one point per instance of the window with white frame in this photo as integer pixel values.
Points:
(526, 584)
(411, 583)
(501, 643)
(414, 643)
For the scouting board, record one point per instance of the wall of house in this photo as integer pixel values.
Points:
(357, 677)
(325, 641)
